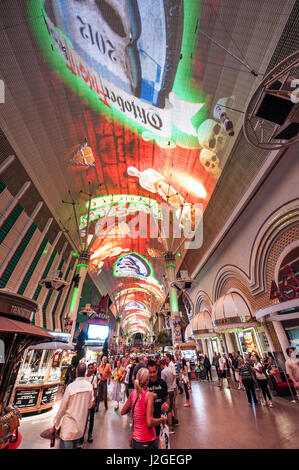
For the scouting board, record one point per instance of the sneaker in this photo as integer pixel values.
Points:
(176, 421)
(186, 405)
(264, 403)
(271, 405)
(171, 431)
(90, 439)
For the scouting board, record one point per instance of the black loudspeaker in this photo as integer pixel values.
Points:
(288, 132)
(274, 109)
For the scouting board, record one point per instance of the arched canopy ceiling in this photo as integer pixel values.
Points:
(118, 98)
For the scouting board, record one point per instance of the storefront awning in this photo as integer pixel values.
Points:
(202, 325)
(188, 333)
(231, 311)
(8, 325)
(280, 311)
(53, 346)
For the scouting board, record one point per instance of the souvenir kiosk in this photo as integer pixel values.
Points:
(40, 375)
(16, 335)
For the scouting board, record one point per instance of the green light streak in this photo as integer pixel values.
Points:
(173, 300)
(74, 299)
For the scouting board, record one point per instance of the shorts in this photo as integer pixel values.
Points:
(171, 401)
(222, 374)
(145, 445)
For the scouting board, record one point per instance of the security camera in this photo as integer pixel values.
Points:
(54, 281)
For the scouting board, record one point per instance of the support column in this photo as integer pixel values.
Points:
(282, 337)
(33, 286)
(219, 345)
(174, 307)
(229, 344)
(29, 262)
(205, 346)
(151, 332)
(6, 163)
(117, 333)
(81, 269)
(14, 202)
(268, 335)
(160, 322)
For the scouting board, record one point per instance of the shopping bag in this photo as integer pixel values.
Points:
(164, 442)
(122, 393)
(110, 389)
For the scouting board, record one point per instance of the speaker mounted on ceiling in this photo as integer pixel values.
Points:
(271, 120)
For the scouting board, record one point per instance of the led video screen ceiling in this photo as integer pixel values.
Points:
(133, 89)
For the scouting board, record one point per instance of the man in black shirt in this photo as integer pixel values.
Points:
(159, 389)
(142, 363)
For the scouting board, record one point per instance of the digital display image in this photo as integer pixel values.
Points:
(124, 100)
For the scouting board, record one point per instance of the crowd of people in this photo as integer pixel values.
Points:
(149, 386)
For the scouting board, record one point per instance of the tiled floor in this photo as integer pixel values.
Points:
(217, 419)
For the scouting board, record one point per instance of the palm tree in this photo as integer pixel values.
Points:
(163, 339)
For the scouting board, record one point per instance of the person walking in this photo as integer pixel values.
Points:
(72, 414)
(178, 367)
(167, 376)
(118, 374)
(141, 404)
(235, 365)
(222, 370)
(140, 363)
(207, 368)
(292, 366)
(185, 382)
(189, 373)
(105, 373)
(127, 376)
(91, 377)
(171, 366)
(158, 387)
(262, 380)
(245, 374)
(215, 363)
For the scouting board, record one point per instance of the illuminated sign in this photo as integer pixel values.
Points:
(135, 305)
(132, 265)
(287, 291)
(120, 206)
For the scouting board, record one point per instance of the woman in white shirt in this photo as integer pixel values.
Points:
(261, 380)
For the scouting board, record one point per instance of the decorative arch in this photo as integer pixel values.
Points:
(224, 274)
(279, 222)
(282, 256)
(202, 302)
